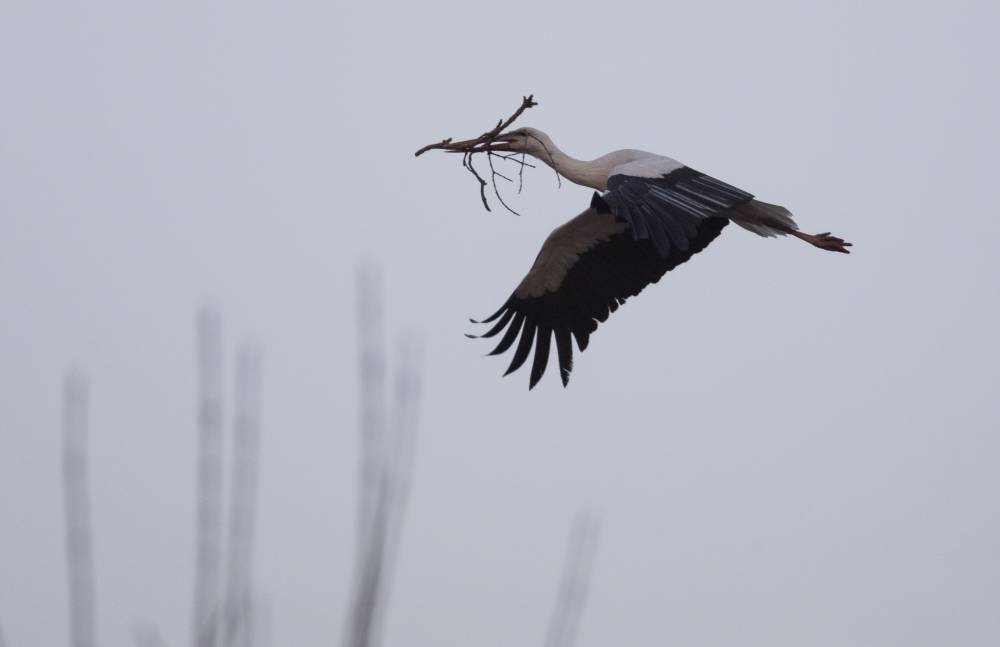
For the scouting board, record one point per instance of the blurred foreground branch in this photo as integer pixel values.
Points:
(386, 463)
(239, 605)
(79, 550)
(208, 522)
(145, 634)
(575, 582)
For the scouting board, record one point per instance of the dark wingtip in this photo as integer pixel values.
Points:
(472, 336)
(510, 335)
(493, 316)
(543, 343)
(564, 351)
(523, 347)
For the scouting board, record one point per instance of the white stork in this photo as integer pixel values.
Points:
(654, 214)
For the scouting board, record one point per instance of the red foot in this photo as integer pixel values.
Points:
(826, 241)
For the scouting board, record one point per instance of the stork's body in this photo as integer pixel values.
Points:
(655, 213)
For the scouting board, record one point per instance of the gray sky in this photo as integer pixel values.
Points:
(787, 446)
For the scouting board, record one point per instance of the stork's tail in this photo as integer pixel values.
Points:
(763, 219)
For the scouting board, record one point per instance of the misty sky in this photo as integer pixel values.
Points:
(786, 446)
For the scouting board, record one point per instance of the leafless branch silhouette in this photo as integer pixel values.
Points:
(371, 372)
(79, 550)
(228, 612)
(386, 460)
(565, 621)
(485, 138)
(146, 634)
(469, 147)
(208, 522)
(238, 604)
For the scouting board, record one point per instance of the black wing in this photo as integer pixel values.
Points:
(669, 209)
(584, 271)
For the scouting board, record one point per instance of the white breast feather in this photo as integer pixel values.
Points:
(649, 165)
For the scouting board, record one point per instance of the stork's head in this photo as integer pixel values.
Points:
(526, 140)
(520, 140)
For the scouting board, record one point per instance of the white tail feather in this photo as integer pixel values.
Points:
(763, 219)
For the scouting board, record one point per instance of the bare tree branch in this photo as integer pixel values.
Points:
(371, 371)
(468, 149)
(467, 163)
(238, 607)
(208, 522)
(493, 171)
(82, 598)
(488, 136)
(573, 589)
(397, 469)
(387, 454)
(146, 634)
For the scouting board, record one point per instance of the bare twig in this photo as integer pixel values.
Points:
(520, 172)
(468, 148)
(209, 514)
(488, 136)
(443, 144)
(145, 634)
(552, 161)
(512, 157)
(387, 454)
(467, 163)
(371, 370)
(493, 177)
(397, 467)
(573, 589)
(238, 614)
(496, 172)
(82, 605)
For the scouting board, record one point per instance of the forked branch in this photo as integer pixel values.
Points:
(485, 138)
(471, 146)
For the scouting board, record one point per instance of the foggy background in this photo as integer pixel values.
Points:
(786, 446)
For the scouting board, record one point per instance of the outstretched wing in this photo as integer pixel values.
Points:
(584, 271)
(667, 208)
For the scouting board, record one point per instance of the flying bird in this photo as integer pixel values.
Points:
(649, 214)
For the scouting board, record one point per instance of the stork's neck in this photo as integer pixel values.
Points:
(592, 173)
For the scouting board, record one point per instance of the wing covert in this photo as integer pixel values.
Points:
(668, 208)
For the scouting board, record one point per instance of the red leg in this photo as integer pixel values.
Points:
(824, 241)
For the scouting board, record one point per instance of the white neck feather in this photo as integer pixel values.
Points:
(591, 173)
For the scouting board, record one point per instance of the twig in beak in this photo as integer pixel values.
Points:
(489, 156)
(467, 163)
(485, 138)
(487, 143)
